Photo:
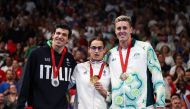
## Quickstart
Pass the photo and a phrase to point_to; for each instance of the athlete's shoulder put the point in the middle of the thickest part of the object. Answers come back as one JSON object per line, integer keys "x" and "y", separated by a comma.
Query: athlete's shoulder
{"x": 138, "y": 42}
{"x": 83, "y": 64}
{"x": 142, "y": 44}
{"x": 39, "y": 50}
{"x": 114, "y": 49}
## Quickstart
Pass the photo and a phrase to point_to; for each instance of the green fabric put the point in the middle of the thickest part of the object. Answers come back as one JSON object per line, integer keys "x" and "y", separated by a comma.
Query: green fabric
{"x": 28, "y": 51}
{"x": 49, "y": 43}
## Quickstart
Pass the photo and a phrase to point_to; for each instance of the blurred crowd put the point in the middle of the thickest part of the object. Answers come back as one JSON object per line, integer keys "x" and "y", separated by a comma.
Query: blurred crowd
{"x": 27, "y": 24}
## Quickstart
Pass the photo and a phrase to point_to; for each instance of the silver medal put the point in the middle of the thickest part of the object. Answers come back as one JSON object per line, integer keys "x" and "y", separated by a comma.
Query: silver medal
{"x": 55, "y": 82}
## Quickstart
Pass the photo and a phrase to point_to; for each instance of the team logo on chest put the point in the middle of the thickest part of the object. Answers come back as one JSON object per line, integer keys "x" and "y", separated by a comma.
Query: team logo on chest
{"x": 47, "y": 59}
{"x": 137, "y": 55}
{"x": 46, "y": 72}
{"x": 68, "y": 62}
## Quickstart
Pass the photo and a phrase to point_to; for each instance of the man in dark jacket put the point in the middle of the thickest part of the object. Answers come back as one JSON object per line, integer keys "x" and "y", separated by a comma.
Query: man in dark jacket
{"x": 47, "y": 74}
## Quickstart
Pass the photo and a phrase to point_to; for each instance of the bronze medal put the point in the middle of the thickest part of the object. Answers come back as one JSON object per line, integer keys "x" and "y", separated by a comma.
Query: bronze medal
{"x": 123, "y": 76}
{"x": 124, "y": 65}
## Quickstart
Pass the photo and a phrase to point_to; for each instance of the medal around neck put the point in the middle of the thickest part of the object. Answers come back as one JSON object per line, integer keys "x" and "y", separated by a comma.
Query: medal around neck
{"x": 55, "y": 82}
{"x": 124, "y": 76}
{"x": 94, "y": 79}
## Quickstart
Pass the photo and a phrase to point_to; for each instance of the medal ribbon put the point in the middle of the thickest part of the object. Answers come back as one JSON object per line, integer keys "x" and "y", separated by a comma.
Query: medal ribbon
{"x": 124, "y": 65}
{"x": 55, "y": 71}
{"x": 100, "y": 72}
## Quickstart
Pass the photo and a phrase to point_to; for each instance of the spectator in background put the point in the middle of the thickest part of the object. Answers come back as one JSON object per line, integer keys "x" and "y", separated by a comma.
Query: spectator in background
{"x": 111, "y": 42}
{"x": 183, "y": 48}
{"x": 19, "y": 54}
{"x": 11, "y": 46}
{"x": 187, "y": 78}
{"x": 178, "y": 62}
{"x": 8, "y": 64}
{"x": 176, "y": 102}
{"x": 12, "y": 96}
{"x": 179, "y": 74}
{"x": 30, "y": 6}
{"x": 3, "y": 53}
{"x": 17, "y": 69}
{"x": 10, "y": 76}
{"x": 165, "y": 50}
{"x": 170, "y": 88}
{"x": 2, "y": 102}
{"x": 2, "y": 76}
{"x": 162, "y": 40}
{"x": 80, "y": 55}
{"x": 31, "y": 45}
{"x": 183, "y": 92}
{"x": 165, "y": 68}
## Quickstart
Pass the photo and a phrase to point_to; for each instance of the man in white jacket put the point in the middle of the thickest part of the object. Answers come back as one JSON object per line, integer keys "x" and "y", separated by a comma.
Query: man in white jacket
{"x": 92, "y": 78}
{"x": 136, "y": 77}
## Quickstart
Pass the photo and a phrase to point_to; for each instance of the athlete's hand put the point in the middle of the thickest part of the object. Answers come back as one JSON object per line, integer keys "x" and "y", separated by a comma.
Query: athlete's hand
{"x": 98, "y": 86}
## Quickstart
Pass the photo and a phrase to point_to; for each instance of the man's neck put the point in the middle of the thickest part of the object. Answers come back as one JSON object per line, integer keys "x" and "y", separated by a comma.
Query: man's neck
{"x": 125, "y": 44}
{"x": 96, "y": 61}
{"x": 58, "y": 49}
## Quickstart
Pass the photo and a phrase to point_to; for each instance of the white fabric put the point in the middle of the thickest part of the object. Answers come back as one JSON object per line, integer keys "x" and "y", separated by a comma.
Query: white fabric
{"x": 169, "y": 61}
{"x": 132, "y": 93}
{"x": 88, "y": 96}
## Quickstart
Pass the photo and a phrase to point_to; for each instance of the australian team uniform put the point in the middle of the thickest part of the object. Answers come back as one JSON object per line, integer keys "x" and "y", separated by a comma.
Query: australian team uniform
{"x": 38, "y": 90}
{"x": 144, "y": 77}
{"x": 87, "y": 96}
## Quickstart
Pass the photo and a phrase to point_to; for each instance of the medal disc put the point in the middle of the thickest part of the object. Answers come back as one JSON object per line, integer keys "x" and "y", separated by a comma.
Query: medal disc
{"x": 123, "y": 76}
{"x": 55, "y": 82}
{"x": 94, "y": 79}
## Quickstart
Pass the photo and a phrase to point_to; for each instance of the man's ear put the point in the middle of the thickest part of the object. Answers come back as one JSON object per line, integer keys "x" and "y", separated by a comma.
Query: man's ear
{"x": 52, "y": 34}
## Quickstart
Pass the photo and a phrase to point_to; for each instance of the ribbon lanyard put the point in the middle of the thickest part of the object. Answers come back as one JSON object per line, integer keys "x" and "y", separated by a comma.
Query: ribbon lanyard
{"x": 100, "y": 72}
{"x": 56, "y": 70}
{"x": 124, "y": 65}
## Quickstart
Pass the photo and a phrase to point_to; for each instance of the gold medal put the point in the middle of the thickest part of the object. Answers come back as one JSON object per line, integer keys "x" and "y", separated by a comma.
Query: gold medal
{"x": 94, "y": 79}
{"x": 124, "y": 76}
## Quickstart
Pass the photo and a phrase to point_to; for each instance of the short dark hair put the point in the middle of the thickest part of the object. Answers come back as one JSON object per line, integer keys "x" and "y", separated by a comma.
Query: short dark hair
{"x": 175, "y": 94}
{"x": 64, "y": 26}
{"x": 98, "y": 39}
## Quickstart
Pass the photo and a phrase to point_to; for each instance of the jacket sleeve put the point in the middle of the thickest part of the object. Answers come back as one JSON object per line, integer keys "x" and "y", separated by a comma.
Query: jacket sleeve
{"x": 157, "y": 78}
{"x": 24, "y": 95}
{"x": 73, "y": 77}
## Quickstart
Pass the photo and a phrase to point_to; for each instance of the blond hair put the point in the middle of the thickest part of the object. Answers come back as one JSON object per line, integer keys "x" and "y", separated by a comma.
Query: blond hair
{"x": 124, "y": 18}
